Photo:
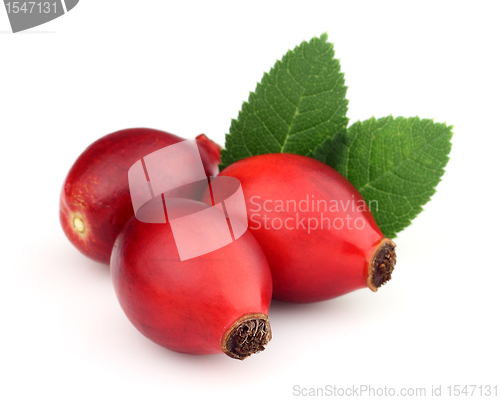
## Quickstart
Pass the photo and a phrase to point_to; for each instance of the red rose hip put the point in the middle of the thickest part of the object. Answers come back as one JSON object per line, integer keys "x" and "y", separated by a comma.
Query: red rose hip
{"x": 317, "y": 232}
{"x": 217, "y": 302}
{"x": 95, "y": 199}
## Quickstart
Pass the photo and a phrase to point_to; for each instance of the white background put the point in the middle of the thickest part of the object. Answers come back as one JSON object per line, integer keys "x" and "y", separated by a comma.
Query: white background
{"x": 186, "y": 67}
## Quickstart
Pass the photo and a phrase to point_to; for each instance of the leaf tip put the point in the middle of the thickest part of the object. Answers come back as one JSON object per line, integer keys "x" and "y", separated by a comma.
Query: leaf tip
{"x": 450, "y": 128}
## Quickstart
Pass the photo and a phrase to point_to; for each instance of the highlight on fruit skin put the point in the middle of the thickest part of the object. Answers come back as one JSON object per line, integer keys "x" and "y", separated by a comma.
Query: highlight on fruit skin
{"x": 317, "y": 232}
{"x": 95, "y": 199}
{"x": 214, "y": 303}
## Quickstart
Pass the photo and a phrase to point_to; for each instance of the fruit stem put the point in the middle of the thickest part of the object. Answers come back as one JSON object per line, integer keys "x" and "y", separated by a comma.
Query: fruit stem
{"x": 381, "y": 264}
{"x": 246, "y": 336}
{"x": 214, "y": 147}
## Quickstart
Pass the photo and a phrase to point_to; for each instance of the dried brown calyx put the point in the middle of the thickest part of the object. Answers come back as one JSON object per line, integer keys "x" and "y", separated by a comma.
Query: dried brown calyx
{"x": 247, "y": 336}
{"x": 381, "y": 264}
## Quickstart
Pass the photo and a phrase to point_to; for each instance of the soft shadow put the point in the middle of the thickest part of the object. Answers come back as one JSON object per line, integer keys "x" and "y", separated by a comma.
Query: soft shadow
{"x": 282, "y": 307}
{"x": 25, "y": 32}
{"x": 65, "y": 264}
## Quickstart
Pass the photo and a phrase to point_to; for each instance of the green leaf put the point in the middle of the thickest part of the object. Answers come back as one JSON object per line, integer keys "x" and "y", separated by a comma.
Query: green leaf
{"x": 395, "y": 162}
{"x": 298, "y": 105}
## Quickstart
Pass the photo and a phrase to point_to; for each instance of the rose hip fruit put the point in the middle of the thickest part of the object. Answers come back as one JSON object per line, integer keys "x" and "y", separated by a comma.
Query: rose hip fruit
{"x": 317, "y": 232}
{"x": 95, "y": 199}
{"x": 217, "y": 302}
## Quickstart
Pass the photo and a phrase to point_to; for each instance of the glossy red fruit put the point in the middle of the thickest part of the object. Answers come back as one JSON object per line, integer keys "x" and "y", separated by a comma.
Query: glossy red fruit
{"x": 317, "y": 232}
{"x": 217, "y": 302}
{"x": 95, "y": 199}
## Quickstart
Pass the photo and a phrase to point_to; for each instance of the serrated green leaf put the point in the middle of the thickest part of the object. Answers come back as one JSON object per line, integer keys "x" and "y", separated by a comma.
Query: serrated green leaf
{"x": 395, "y": 162}
{"x": 298, "y": 105}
